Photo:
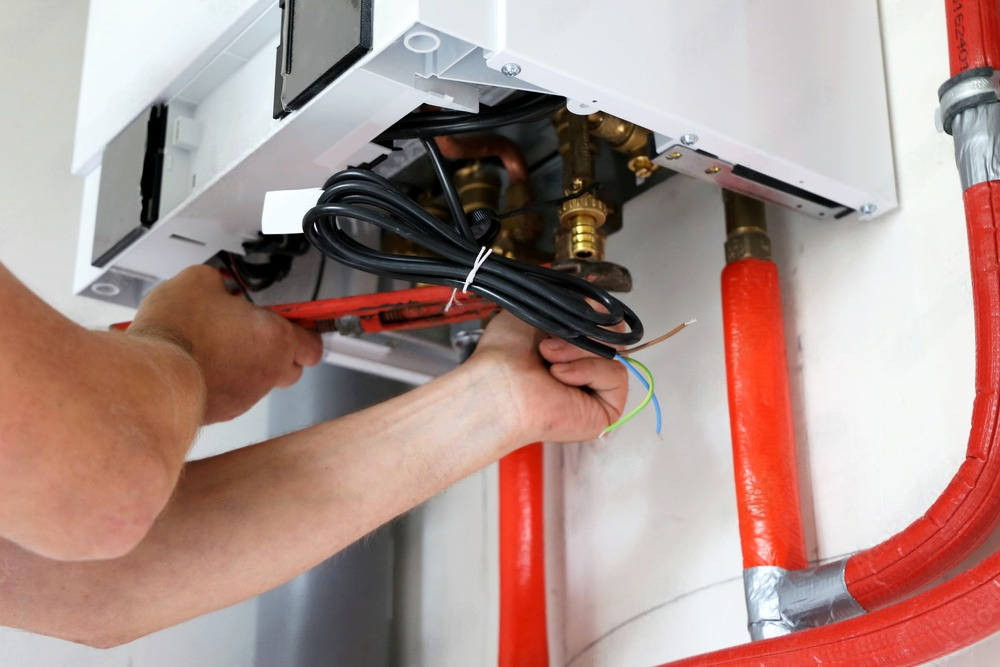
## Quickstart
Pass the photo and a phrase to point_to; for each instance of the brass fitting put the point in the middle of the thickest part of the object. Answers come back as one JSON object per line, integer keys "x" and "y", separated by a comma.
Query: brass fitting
{"x": 624, "y": 137}
{"x": 642, "y": 166}
{"x": 576, "y": 149}
{"x": 746, "y": 228}
{"x": 477, "y": 187}
{"x": 582, "y": 218}
{"x": 519, "y": 233}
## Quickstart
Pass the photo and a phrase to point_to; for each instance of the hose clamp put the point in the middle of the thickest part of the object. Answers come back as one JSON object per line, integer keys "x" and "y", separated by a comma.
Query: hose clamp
{"x": 969, "y": 89}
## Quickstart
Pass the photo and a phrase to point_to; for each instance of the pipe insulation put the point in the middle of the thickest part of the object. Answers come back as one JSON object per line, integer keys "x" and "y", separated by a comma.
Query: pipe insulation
{"x": 760, "y": 416}
{"x": 523, "y": 624}
{"x": 968, "y": 510}
{"x": 973, "y": 34}
{"x": 965, "y": 609}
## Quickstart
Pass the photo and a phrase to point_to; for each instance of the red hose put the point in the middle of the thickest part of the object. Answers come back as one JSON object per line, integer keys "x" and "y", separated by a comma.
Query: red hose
{"x": 523, "y": 627}
{"x": 760, "y": 414}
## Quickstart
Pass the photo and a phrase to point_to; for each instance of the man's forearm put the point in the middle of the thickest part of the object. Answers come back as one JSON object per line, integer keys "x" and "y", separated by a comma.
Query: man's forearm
{"x": 93, "y": 432}
{"x": 246, "y": 521}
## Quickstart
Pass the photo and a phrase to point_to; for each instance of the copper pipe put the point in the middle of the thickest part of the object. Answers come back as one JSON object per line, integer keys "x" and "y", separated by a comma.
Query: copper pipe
{"x": 492, "y": 145}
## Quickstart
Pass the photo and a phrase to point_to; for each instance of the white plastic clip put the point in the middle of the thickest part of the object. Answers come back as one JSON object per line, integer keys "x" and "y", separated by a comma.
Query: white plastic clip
{"x": 484, "y": 252}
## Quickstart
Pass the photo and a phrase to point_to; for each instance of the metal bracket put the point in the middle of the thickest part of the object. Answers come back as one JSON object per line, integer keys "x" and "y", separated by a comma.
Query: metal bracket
{"x": 707, "y": 167}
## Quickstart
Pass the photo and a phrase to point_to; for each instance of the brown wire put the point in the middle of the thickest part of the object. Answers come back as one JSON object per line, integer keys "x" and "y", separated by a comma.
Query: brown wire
{"x": 662, "y": 338}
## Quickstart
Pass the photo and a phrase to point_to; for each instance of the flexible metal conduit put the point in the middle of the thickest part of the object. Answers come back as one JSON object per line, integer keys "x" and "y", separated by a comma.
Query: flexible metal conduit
{"x": 967, "y": 608}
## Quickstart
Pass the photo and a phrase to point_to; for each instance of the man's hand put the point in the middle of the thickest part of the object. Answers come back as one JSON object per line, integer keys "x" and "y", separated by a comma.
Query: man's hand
{"x": 556, "y": 391}
{"x": 243, "y": 351}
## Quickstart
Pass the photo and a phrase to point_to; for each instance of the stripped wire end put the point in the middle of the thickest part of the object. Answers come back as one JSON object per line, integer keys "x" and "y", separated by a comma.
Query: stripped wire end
{"x": 646, "y": 378}
{"x": 672, "y": 332}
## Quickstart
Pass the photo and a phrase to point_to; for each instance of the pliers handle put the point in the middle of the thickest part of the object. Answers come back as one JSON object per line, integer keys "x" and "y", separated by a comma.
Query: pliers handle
{"x": 416, "y": 308}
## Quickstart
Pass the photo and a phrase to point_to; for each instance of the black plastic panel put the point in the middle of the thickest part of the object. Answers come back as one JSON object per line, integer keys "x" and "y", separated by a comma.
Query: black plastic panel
{"x": 320, "y": 40}
{"x": 128, "y": 201}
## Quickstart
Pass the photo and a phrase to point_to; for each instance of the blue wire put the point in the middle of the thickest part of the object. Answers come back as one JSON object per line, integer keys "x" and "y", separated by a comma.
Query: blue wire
{"x": 656, "y": 402}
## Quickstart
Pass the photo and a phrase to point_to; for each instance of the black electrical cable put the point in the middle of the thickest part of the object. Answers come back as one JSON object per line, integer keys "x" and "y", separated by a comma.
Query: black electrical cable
{"x": 533, "y": 106}
{"x": 556, "y": 302}
{"x": 319, "y": 278}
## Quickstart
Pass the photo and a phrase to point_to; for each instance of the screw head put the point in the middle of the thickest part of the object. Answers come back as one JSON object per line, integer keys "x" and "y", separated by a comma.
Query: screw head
{"x": 868, "y": 208}
{"x": 689, "y": 139}
{"x": 510, "y": 69}
{"x": 674, "y": 155}
{"x": 711, "y": 171}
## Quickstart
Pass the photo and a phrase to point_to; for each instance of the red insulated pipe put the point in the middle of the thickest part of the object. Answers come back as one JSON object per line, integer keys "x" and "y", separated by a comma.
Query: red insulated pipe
{"x": 973, "y": 34}
{"x": 940, "y": 621}
{"x": 523, "y": 627}
{"x": 760, "y": 415}
{"x": 967, "y": 608}
{"x": 969, "y": 509}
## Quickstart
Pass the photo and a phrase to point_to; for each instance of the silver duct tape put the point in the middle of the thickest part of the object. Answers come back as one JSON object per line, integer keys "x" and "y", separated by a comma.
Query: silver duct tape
{"x": 817, "y": 596}
{"x": 760, "y": 587}
{"x": 977, "y": 144}
{"x": 780, "y": 602}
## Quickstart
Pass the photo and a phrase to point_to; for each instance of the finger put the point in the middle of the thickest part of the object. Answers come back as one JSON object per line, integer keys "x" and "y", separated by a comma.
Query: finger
{"x": 511, "y": 333}
{"x": 594, "y": 372}
{"x": 557, "y": 350}
{"x": 205, "y": 275}
{"x": 607, "y": 380}
{"x": 309, "y": 347}
{"x": 290, "y": 376}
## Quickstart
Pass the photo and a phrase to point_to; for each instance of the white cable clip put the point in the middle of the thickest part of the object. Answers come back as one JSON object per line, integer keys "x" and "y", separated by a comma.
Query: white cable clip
{"x": 484, "y": 252}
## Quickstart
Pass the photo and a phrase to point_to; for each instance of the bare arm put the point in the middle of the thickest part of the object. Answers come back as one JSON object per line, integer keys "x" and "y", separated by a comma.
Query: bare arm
{"x": 246, "y": 521}
{"x": 95, "y": 425}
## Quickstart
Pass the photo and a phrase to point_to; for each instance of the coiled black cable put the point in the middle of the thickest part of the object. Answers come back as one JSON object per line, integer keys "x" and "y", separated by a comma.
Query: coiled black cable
{"x": 533, "y": 106}
{"x": 552, "y": 301}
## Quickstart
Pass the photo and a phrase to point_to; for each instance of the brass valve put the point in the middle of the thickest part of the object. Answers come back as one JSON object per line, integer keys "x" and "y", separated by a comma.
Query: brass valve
{"x": 581, "y": 218}
{"x": 624, "y": 137}
{"x": 519, "y": 233}
{"x": 477, "y": 187}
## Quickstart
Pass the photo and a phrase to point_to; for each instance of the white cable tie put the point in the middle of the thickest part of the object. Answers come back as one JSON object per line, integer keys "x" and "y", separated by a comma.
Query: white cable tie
{"x": 484, "y": 252}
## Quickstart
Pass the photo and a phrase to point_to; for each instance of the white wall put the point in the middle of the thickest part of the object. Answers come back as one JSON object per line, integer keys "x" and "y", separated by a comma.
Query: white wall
{"x": 39, "y": 217}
